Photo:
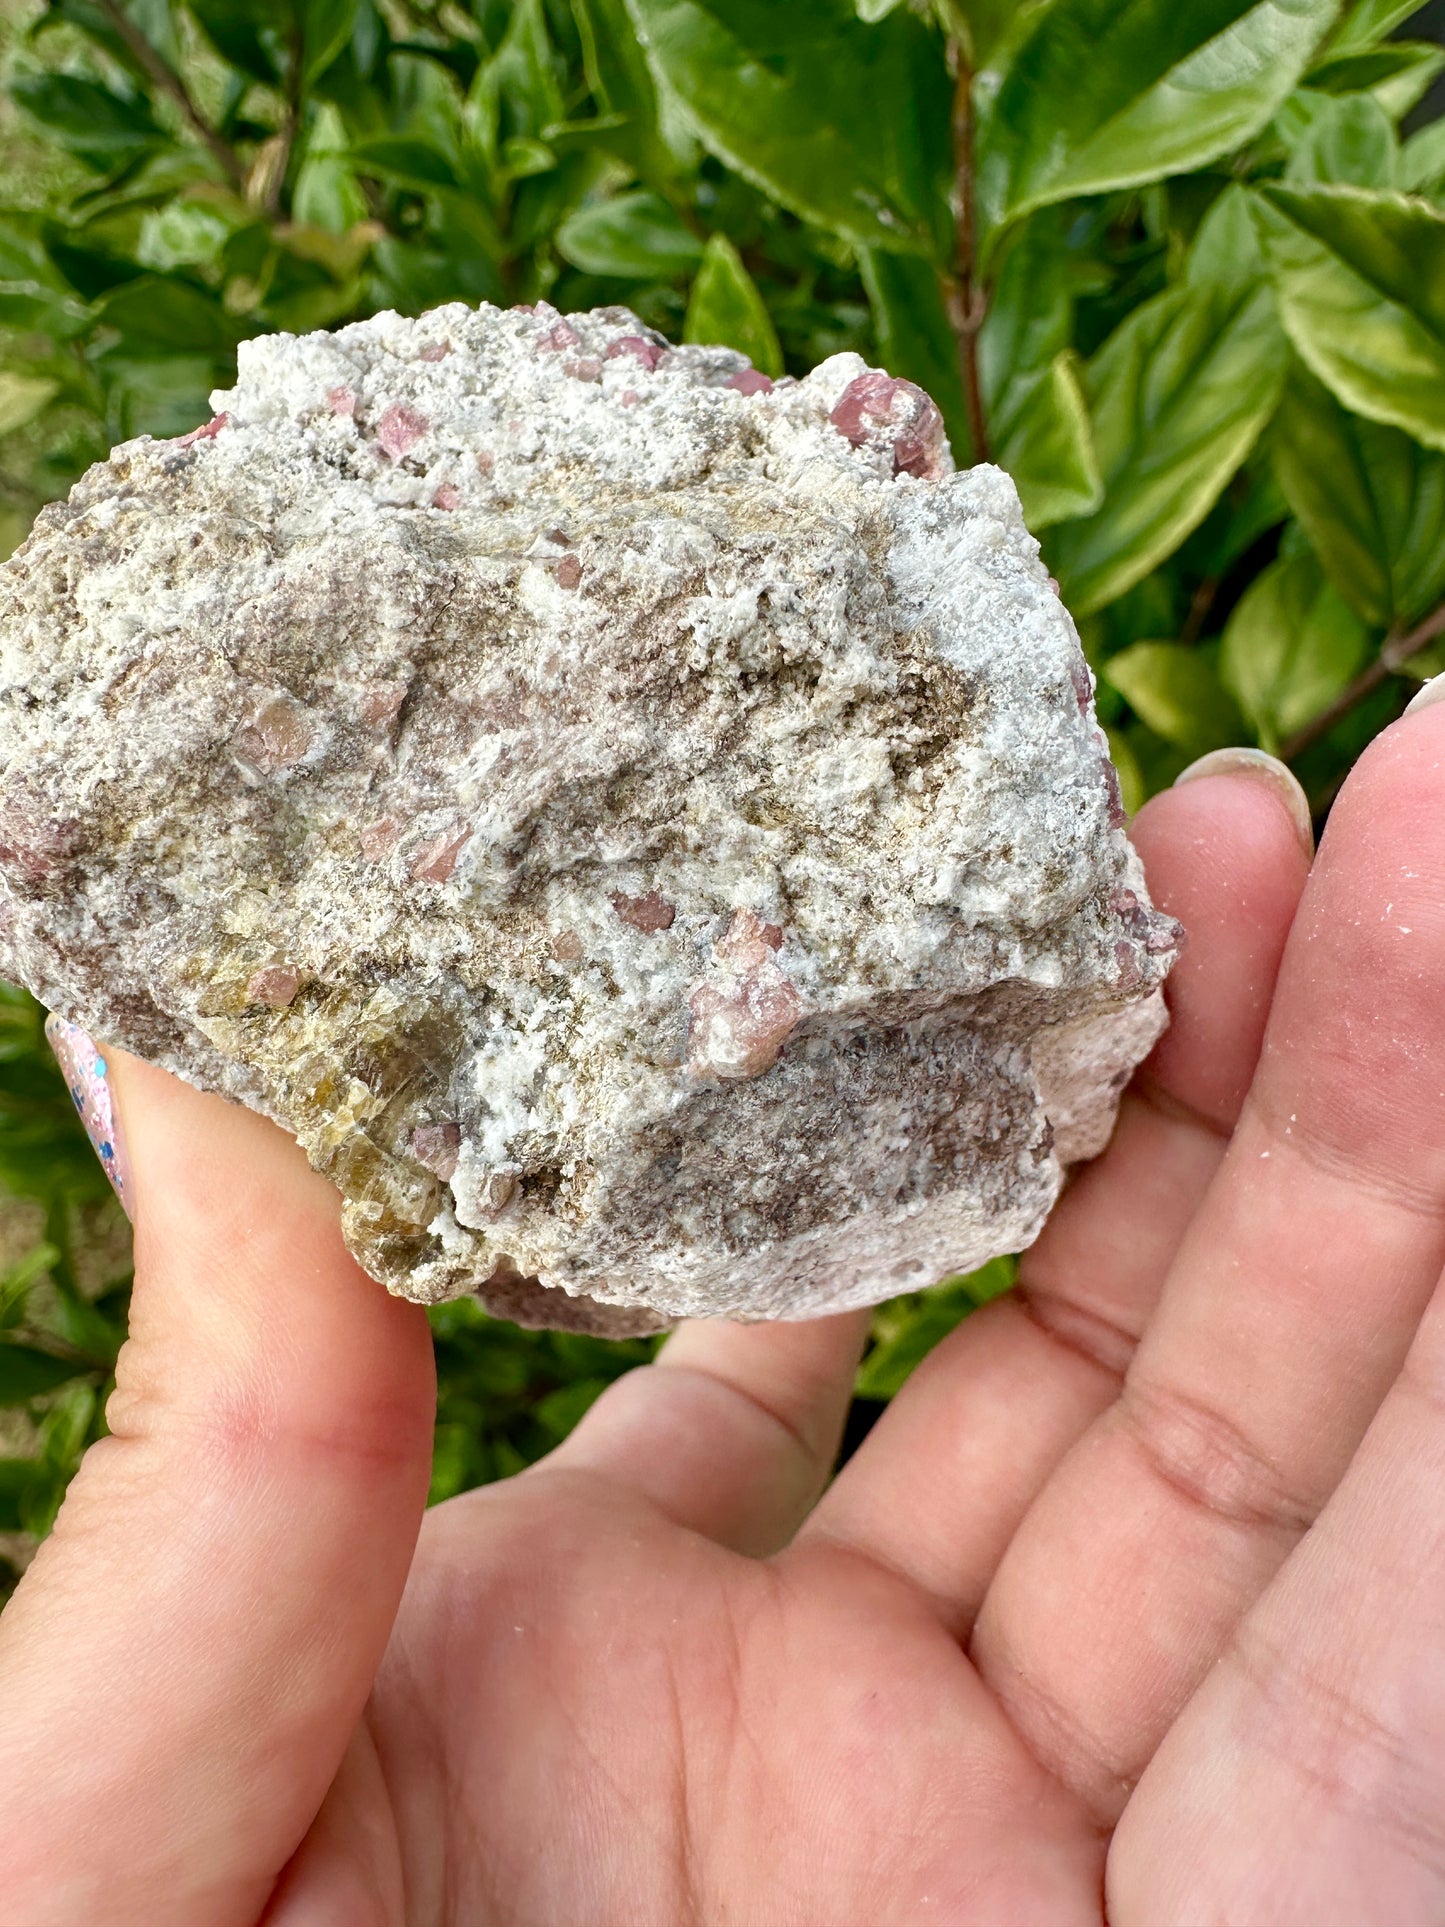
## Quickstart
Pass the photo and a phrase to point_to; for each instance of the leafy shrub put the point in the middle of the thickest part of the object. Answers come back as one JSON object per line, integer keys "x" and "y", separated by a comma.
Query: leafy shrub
{"x": 1174, "y": 265}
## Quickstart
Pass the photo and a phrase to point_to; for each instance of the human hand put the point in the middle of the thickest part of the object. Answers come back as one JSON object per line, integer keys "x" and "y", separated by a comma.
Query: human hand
{"x": 1132, "y": 1599}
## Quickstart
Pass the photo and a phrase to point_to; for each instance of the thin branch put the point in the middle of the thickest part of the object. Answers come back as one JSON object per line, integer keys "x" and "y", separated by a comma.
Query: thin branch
{"x": 1395, "y": 652}
{"x": 1199, "y": 608}
{"x": 1398, "y": 654}
{"x": 1365, "y": 684}
{"x": 170, "y": 82}
{"x": 295, "y": 88}
{"x": 967, "y": 301}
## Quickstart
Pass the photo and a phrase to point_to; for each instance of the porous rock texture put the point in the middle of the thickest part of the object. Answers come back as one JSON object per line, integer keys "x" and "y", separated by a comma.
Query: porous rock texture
{"x": 642, "y": 828}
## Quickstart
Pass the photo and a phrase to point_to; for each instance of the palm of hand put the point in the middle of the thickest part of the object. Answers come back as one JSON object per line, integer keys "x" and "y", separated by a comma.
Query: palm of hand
{"x": 624, "y": 1722}
{"x": 1127, "y": 1609}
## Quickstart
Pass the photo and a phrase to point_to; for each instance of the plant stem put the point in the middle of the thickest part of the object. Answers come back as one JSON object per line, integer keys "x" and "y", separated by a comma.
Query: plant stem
{"x": 967, "y": 301}
{"x": 1395, "y": 651}
{"x": 294, "y": 90}
{"x": 1199, "y": 608}
{"x": 170, "y": 82}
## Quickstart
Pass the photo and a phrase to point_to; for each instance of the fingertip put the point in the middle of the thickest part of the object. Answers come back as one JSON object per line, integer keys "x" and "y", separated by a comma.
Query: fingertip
{"x": 1225, "y": 854}
{"x": 1260, "y": 767}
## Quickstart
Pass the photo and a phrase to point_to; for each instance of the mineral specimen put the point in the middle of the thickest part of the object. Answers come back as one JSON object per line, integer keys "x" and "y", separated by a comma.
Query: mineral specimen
{"x": 642, "y": 827}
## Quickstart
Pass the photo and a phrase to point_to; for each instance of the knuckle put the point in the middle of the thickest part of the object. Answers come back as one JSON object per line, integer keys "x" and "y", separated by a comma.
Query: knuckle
{"x": 1206, "y": 1460}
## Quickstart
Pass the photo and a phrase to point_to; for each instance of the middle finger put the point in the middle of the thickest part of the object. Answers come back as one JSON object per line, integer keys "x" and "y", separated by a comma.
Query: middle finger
{"x": 1284, "y": 1320}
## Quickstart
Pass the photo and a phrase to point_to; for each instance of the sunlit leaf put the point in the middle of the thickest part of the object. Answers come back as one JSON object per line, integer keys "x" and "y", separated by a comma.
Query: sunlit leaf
{"x": 725, "y": 308}
{"x": 1360, "y": 279}
{"x": 617, "y": 72}
{"x": 327, "y": 192}
{"x": 1364, "y": 22}
{"x": 1422, "y": 159}
{"x": 22, "y": 397}
{"x": 1106, "y": 95}
{"x": 1396, "y": 76}
{"x": 1348, "y": 138}
{"x": 1045, "y": 440}
{"x": 844, "y": 122}
{"x": 1178, "y": 396}
{"x": 1178, "y": 693}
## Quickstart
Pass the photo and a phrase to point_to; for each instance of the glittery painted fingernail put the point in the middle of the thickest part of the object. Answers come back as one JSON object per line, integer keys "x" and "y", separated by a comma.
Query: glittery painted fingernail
{"x": 83, "y": 1066}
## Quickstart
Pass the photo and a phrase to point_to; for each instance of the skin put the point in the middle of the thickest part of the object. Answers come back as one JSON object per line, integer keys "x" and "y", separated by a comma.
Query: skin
{"x": 1131, "y": 1606}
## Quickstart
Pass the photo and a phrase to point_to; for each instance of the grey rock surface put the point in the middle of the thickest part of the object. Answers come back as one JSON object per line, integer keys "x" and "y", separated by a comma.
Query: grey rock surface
{"x": 643, "y": 829}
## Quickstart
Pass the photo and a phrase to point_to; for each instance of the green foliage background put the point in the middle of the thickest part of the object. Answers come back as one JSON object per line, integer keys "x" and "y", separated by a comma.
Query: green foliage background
{"x": 1174, "y": 265}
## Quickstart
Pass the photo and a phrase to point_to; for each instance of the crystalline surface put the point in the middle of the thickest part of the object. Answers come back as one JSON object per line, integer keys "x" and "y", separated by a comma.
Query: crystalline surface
{"x": 643, "y": 829}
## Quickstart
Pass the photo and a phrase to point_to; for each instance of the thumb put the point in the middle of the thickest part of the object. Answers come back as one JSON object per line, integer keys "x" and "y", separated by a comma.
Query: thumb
{"x": 185, "y": 1662}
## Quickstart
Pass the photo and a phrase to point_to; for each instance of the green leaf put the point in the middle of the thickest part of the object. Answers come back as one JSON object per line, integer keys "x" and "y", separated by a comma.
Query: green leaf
{"x": 1397, "y": 76}
{"x": 18, "y": 1477}
{"x": 183, "y": 234}
{"x": 618, "y": 76}
{"x": 27, "y": 1373}
{"x": 15, "y": 1283}
{"x": 1348, "y": 139}
{"x": 726, "y": 310}
{"x": 846, "y": 124}
{"x": 634, "y": 234}
{"x": 91, "y": 120}
{"x": 412, "y": 163}
{"x": 326, "y": 25}
{"x": 981, "y": 27}
{"x": 1037, "y": 417}
{"x": 524, "y": 72}
{"x": 1360, "y": 280}
{"x": 915, "y": 339}
{"x": 1105, "y": 94}
{"x": 253, "y": 35}
{"x": 1422, "y": 160}
{"x": 1371, "y": 501}
{"x": 158, "y": 315}
{"x": 327, "y": 192}
{"x": 1030, "y": 319}
{"x": 907, "y": 1329}
{"x": 1178, "y": 395}
{"x": 1040, "y": 432}
{"x": 1045, "y": 441}
{"x": 160, "y": 395}
{"x": 1177, "y": 692}
{"x": 1291, "y": 646}
{"x": 22, "y": 397}
{"x": 93, "y": 21}
{"x": 1366, "y": 22}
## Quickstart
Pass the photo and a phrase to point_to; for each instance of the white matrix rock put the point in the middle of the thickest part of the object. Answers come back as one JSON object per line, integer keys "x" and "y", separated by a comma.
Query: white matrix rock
{"x": 643, "y": 829}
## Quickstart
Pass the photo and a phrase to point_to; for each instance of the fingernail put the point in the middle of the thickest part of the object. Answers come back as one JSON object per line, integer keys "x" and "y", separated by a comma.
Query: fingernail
{"x": 83, "y": 1066}
{"x": 1269, "y": 769}
{"x": 1433, "y": 692}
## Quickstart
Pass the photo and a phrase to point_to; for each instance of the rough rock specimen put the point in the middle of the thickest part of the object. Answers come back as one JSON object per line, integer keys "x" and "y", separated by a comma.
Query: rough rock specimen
{"x": 643, "y": 828}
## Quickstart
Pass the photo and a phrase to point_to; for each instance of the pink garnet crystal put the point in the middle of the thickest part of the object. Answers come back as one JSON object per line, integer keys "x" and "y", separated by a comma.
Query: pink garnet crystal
{"x": 744, "y": 1013}
{"x": 879, "y": 410}
{"x": 400, "y": 429}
